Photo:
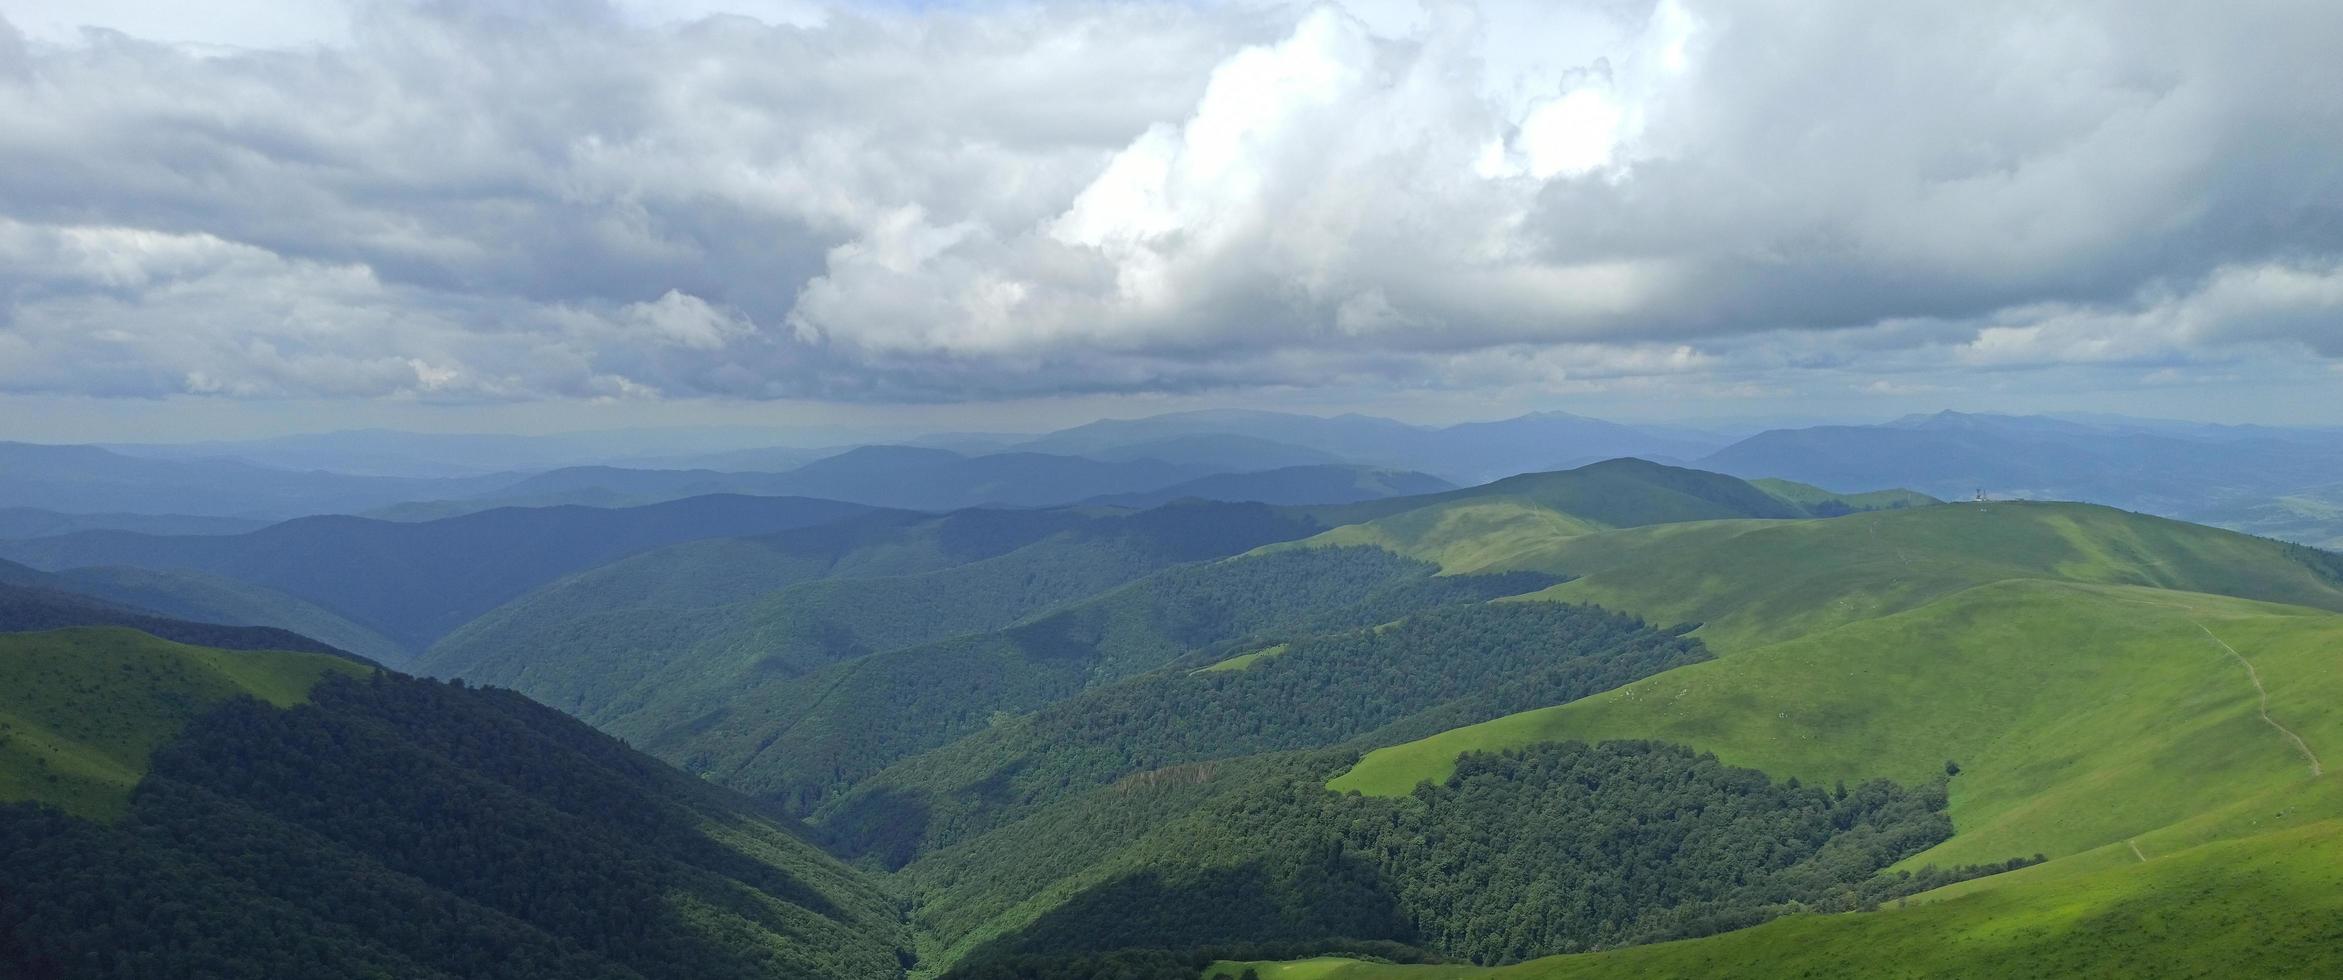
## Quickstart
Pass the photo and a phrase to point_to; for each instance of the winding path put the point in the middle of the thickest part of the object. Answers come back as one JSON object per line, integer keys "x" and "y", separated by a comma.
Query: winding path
{"x": 2256, "y": 676}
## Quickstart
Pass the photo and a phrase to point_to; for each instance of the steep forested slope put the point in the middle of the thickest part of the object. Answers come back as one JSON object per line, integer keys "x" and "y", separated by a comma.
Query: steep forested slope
{"x": 390, "y": 827}
{"x": 1562, "y": 847}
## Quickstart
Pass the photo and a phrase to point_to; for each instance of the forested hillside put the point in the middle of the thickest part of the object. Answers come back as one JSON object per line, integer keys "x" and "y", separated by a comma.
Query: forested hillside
{"x": 647, "y": 645}
{"x": 802, "y": 737}
{"x": 384, "y": 826}
{"x": 1433, "y": 670}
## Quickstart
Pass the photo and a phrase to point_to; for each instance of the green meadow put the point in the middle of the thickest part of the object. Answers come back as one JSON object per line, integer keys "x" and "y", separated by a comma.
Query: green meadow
{"x": 81, "y": 709}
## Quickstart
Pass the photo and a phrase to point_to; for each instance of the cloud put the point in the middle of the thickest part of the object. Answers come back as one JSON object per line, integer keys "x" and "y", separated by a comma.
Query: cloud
{"x": 581, "y": 200}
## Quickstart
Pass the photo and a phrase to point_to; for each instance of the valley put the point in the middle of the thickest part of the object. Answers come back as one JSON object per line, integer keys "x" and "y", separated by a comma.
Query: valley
{"x": 1398, "y": 736}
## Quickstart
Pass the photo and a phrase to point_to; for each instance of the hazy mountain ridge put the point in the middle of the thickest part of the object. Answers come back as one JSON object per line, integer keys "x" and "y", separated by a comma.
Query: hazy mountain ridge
{"x": 414, "y": 582}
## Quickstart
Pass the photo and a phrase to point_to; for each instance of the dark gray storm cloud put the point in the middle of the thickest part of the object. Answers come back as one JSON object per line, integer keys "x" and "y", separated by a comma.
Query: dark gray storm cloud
{"x": 561, "y": 199}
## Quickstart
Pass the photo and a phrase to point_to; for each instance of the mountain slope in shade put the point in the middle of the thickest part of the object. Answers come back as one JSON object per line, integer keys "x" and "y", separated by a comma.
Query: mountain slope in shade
{"x": 413, "y": 582}
{"x": 383, "y": 826}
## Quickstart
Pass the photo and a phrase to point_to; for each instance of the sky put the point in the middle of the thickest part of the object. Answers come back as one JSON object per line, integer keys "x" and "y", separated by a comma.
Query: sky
{"x": 243, "y": 217}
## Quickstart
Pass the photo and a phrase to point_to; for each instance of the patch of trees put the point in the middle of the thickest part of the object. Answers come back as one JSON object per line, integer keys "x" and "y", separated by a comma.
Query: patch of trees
{"x": 1440, "y": 669}
{"x": 1556, "y": 848}
{"x": 2327, "y": 564}
{"x": 396, "y": 827}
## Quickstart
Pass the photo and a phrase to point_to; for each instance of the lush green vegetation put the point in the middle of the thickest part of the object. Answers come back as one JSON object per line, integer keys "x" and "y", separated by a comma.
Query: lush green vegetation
{"x": 1755, "y": 582}
{"x": 82, "y": 709}
{"x": 1559, "y": 847}
{"x": 2263, "y": 906}
{"x": 641, "y": 647}
{"x": 1091, "y": 743}
{"x": 394, "y": 827}
{"x": 1431, "y": 671}
{"x": 2079, "y": 715}
{"x": 801, "y": 739}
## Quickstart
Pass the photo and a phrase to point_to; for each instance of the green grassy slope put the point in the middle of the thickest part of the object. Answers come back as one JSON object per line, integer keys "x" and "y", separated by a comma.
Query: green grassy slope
{"x": 2265, "y": 906}
{"x": 2079, "y": 715}
{"x": 1466, "y": 535}
{"x": 81, "y": 709}
{"x": 1756, "y": 582}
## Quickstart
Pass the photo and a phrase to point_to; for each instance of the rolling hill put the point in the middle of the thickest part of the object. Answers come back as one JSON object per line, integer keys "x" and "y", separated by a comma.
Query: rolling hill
{"x": 2104, "y": 688}
{"x": 413, "y": 582}
{"x": 652, "y": 642}
{"x": 2087, "y": 685}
